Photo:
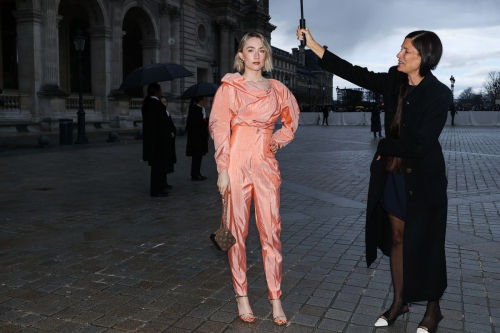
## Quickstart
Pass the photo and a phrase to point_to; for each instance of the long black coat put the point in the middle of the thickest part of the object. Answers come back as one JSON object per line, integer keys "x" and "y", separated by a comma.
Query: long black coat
{"x": 172, "y": 129}
{"x": 423, "y": 118}
{"x": 156, "y": 144}
{"x": 197, "y": 130}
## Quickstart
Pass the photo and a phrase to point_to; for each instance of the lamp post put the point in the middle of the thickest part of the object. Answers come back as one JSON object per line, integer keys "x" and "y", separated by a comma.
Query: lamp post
{"x": 309, "y": 84}
{"x": 79, "y": 47}
{"x": 323, "y": 88}
{"x": 452, "y": 80}
{"x": 215, "y": 70}
{"x": 338, "y": 93}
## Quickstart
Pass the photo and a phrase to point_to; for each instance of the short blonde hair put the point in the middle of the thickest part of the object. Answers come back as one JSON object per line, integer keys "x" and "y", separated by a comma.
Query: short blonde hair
{"x": 268, "y": 63}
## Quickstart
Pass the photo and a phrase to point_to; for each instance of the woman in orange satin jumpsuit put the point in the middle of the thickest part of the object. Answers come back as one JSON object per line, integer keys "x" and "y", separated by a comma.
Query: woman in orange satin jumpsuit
{"x": 244, "y": 112}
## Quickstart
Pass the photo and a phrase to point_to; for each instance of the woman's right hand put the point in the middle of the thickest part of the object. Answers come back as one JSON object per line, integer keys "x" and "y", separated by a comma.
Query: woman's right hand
{"x": 307, "y": 33}
{"x": 310, "y": 42}
{"x": 223, "y": 183}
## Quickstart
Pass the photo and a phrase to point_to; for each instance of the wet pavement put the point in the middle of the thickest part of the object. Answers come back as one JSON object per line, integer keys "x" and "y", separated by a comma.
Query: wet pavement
{"x": 84, "y": 248}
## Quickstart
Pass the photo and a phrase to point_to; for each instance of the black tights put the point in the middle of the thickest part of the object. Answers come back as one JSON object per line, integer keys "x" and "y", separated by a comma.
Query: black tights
{"x": 433, "y": 311}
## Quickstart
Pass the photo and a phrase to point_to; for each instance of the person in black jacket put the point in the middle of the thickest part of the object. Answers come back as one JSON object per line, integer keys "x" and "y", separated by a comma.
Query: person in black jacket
{"x": 407, "y": 201}
{"x": 325, "y": 115}
{"x": 156, "y": 140}
{"x": 197, "y": 141}
{"x": 173, "y": 131}
{"x": 376, "y": 125}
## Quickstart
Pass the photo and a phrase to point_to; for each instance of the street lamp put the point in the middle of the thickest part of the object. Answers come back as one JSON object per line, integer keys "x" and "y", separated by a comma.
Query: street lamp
{"x": 452, "y": 80}
{"x": 287, "y": 81}
{"x": 309, "y": 84}
{"x": 215, "y": 70}
{"x": 338, "y": 93}
{"x": 323, "y": 87}
{"x": 79, "y": 47}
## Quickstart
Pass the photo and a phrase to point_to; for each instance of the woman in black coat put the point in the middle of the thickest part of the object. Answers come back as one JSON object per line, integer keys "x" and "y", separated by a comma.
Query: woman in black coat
{"x": 376, "y": 125}
{"x": 197, "y": 141}
{"x": 407, "y": 202}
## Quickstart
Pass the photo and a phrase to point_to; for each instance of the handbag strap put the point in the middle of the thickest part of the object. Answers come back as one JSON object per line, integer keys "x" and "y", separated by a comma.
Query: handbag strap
{"x": 224, "y": 212}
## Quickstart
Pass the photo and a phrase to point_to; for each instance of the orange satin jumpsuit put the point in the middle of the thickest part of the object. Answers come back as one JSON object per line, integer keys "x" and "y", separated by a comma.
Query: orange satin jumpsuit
{"x": 241, "y": 125}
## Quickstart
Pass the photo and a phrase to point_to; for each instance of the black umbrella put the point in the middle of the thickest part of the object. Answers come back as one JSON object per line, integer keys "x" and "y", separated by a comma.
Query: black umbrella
{"x": 200, "y": 89}
{"x": 164, "y": 71}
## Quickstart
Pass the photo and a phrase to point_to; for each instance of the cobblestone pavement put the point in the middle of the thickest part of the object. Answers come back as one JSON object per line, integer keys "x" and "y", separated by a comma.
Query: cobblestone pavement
{"x": 83, "y": 248}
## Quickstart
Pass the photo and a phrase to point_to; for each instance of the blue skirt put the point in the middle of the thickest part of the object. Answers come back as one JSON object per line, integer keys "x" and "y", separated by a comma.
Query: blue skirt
{"x": 394, "y": 198}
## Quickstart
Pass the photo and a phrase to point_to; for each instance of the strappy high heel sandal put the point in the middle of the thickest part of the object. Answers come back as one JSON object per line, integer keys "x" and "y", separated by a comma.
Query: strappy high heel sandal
{"x": 278, "y": 320}
{"x": 383, "y": 321}
{"x": 423, "y": 329}
{"x": 243, "y": 317}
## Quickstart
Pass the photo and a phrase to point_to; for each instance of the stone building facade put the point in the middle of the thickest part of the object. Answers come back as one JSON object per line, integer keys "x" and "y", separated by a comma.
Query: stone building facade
{"x": 313, "y": 85}
{"x": 39, "y": 64}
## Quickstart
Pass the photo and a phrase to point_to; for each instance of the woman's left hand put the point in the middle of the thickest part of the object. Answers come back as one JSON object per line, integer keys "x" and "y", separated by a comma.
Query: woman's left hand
{"x": 274, "y": 148}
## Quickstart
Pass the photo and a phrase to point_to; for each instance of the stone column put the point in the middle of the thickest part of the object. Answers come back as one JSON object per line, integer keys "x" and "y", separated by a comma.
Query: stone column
{"x": 116, "y": 48}
{"x": 100, "y": 68}
{"x": 224, "y": 47}
{"x": 50, "y": 77}
{"x": 175, "y": 15}
{"x": 231, "y": 48}
{"x": 150, "y": 51}
{"x": 165, "y": 32}
{"x": 28, "y": 25}
{"x": 1, "y": 51}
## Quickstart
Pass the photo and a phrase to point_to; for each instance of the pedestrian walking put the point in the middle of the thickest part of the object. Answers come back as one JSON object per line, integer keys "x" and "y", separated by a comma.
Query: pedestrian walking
{"x": 156, "y": 140}
{"x": 407, "y": 201}
{"x": 173, "y": 133}
{"x": 376, "y": 125}
{"x": 197, "y": 140}
{"x": 325, "y": 116}
{"x": 453, "y": 112}
{"x": 245, "y": 110}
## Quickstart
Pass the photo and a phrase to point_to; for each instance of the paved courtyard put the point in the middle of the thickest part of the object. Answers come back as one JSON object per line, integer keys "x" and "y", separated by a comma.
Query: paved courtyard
{"x": 84, "y": 248}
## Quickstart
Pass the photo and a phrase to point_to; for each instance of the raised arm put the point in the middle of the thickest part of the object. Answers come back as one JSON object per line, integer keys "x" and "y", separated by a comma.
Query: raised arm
{"x": 289, "y": 118}
{"x": 220, "y": 125}
{"x": 360, "y": 76}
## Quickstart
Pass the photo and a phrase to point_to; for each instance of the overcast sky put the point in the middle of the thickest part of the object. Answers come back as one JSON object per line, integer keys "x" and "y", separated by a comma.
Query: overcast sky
{"x": 369, "y": 33}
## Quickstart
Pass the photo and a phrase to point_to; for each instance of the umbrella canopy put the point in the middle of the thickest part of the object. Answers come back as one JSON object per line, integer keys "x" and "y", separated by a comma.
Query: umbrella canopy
{"x": 164, "y": 71}
{"x": 200, "y": 89}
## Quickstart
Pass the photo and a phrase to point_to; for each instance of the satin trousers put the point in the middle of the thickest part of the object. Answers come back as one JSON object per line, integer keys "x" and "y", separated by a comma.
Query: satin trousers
{"x": 253, "y": 173}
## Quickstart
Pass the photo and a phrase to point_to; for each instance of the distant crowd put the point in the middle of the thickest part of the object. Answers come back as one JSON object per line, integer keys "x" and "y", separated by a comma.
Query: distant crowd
{"x": 335, "y": 108}
{"x": 460, "y": 107}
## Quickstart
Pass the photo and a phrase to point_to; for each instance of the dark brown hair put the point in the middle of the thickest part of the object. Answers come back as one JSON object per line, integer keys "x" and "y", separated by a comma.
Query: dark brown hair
{"x": 429, "y": 49}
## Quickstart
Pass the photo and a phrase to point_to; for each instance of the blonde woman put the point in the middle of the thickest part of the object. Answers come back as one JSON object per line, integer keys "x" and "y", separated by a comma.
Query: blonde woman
{"x": 245, "y": 110}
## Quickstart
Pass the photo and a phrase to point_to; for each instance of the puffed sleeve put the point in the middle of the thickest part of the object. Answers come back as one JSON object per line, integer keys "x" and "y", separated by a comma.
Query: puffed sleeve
{"x": 220, "y": 125}
{"x": 289, "y": 118}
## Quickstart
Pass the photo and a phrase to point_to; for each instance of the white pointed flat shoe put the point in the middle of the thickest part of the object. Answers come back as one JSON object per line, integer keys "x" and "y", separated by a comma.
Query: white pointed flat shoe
{"x": 421, "y": 330}
{"x": 382, "y": 322}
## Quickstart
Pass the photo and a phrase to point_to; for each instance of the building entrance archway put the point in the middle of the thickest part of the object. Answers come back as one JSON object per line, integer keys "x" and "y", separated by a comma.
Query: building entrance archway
{"x": 140, "y": 46}
{"x": 9, "y": 73}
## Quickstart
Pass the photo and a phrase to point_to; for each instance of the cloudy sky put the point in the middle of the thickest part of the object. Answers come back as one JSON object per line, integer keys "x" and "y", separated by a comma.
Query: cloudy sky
{"x": 369, "y": 33}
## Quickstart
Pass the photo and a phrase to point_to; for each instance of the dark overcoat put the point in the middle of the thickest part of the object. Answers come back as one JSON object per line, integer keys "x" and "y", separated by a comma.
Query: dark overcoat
{"x": 172, "y": 129}
{"x": 197, "y": 130}
{"x": 376, "y": 124}
{"x": 423, "y": 118}
{"x": 156, "y": 144}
